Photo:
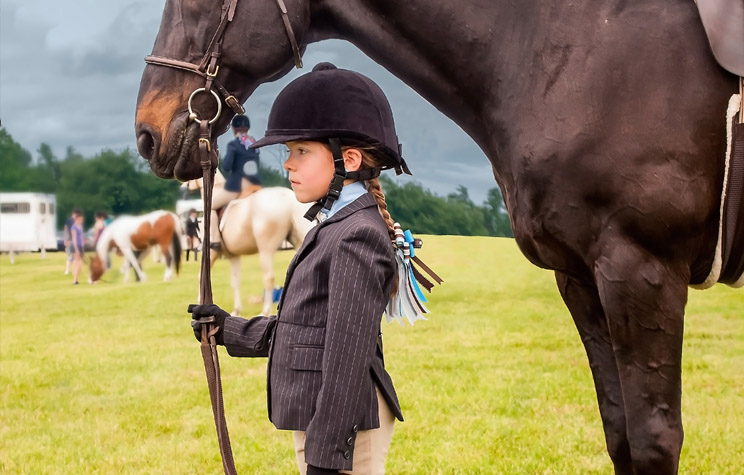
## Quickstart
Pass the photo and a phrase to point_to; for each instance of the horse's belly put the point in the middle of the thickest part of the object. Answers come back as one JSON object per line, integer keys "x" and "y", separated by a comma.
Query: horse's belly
{"x": 237, "y": 246}
{"x": 565, "y": 209}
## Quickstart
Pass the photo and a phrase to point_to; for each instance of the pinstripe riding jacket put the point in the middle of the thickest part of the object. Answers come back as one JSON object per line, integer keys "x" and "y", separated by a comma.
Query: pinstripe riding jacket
{"x": 324, "y": 358}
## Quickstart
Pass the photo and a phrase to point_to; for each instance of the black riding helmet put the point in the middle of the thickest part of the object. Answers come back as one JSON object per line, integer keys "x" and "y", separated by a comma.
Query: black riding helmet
{"x": 241, "y": 122}
{"x": 340, "y": 107}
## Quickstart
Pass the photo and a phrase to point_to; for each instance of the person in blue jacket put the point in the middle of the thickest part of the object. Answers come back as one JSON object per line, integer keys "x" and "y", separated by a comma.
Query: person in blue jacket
{"x": 240, "y": 167}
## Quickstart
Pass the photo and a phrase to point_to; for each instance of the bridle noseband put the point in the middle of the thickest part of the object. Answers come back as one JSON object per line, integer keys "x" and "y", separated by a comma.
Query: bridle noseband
{"x": 208, "y": 68}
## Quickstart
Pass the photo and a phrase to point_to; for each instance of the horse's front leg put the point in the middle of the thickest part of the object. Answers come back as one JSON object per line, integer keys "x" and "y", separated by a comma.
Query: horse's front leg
{"x": 124, "y": 269}
{"x": 644, "y": 298}
{"x": 137, "y": 264}
{"x": 266, "y": 260}
{"x": 583, "y": 302}
{"x": 235, "y": 284}
{"x": 133, "y": 261}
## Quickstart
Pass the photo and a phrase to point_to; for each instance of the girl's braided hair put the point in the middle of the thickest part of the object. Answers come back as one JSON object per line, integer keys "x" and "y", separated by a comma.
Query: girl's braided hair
{"x": 371, "y": 158}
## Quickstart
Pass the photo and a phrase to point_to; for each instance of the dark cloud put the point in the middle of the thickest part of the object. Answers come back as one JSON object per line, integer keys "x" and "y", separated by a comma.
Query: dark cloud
{"x": 70, "y": 73}
{"x": 120, "y": 49}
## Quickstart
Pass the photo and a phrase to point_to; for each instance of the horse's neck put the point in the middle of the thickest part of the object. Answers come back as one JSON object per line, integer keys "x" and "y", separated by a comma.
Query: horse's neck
{"x": 104, "y": 242}
{"x": 444, "y": 50}
{"x": 483, "y": 63}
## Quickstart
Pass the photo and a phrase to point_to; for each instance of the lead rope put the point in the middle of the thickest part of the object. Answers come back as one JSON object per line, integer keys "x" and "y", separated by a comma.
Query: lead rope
{"x": 208, "y": 343}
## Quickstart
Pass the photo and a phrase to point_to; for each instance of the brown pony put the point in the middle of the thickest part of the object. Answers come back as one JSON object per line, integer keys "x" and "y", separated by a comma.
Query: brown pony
{"x": 604, "y": 122}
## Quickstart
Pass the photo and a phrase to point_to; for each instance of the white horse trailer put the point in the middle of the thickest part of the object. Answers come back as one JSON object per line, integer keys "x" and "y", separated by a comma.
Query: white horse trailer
{"x": 28, "y": 222}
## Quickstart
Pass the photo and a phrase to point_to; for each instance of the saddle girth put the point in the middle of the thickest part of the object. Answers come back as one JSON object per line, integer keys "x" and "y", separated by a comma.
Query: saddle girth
{"x": 732, "y": 216}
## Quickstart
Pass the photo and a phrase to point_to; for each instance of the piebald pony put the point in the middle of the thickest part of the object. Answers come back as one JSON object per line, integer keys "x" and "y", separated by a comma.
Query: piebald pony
{"x": 135, "y": 236}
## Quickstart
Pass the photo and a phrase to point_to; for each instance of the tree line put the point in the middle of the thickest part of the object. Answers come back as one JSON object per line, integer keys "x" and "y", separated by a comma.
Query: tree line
{"x": 120, "y": 182}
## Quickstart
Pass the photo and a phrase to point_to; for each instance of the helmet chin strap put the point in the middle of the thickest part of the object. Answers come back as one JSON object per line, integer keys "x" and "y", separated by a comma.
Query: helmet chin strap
{"x": 337, "y": 183}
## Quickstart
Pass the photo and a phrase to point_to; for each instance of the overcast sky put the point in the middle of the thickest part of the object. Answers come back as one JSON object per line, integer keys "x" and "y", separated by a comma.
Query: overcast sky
{"x": 70, "y": 72}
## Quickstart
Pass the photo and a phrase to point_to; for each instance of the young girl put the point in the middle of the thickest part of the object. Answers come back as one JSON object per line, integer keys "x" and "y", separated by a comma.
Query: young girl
{"x": 326, "y": 375}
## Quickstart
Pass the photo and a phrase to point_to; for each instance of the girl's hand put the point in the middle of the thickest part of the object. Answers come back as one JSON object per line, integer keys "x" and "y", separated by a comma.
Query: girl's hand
{"x": 200, "y": 312}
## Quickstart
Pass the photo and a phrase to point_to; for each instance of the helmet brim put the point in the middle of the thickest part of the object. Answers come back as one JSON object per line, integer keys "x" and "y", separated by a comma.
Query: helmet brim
{"x": 282, "y": 138}
{"x": 273, "y": 137}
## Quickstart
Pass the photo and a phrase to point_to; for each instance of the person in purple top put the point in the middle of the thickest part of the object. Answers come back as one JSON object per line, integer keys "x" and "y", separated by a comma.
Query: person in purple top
{"x": 76, "y": 239}
{"x": 68, "y": 242}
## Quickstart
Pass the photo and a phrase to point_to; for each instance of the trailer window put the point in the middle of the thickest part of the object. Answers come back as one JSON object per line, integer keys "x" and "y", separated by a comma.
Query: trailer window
{"x": 15, "y": 207}
{"x": 51, "y": 208}
{"x": 42, "y": 208}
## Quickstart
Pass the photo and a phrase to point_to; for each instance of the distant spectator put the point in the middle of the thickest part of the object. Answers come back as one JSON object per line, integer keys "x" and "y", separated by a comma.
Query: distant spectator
{"x": 66, "y": 236}
{"x": 76, "y": 236}
{"x": 192, "y": 234}
{"x": 99, "y": 225}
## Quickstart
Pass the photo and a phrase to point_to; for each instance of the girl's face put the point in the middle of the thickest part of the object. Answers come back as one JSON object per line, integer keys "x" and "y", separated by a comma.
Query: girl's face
{"x": 310, "y": 167}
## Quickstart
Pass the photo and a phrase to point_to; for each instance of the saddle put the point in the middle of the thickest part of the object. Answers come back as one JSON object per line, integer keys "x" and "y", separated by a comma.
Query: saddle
{"x": 244, "y": 193}
{"x": 248, "y": 191}
{"x": 723, "y": 21}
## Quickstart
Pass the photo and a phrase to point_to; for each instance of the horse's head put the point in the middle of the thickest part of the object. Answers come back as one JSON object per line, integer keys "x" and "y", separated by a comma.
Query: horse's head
{"x": 96, "y": 268}
{"x": 230, "y": 50}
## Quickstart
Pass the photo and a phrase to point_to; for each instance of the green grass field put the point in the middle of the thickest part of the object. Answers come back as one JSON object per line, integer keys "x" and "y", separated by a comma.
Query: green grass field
{"x": 109, "y": 379}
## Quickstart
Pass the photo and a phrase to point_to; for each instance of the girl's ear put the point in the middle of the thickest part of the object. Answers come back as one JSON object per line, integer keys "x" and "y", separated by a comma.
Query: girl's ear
{"x": 352, "y": 159}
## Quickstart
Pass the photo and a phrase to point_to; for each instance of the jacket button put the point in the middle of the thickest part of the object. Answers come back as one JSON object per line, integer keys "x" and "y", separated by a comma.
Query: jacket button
{"x": 355, "y": 428}
{"x": 349, "y": 441}
{"x": 347, "y": 455}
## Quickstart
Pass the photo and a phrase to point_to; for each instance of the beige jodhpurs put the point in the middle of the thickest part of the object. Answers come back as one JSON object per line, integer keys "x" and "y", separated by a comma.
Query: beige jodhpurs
{"x": 370, "y": 449}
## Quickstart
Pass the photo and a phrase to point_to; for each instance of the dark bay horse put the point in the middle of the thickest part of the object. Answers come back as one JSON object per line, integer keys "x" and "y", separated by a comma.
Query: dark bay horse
{"x": 604, "y": 122}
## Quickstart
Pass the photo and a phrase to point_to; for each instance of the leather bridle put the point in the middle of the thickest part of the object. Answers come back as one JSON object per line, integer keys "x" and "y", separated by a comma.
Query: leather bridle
{"x": 209, "y": 65}
{"x": 208, "y": 68}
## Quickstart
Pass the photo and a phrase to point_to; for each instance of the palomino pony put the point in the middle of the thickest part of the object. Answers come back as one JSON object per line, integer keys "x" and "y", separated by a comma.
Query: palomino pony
{"x": 135, "y": 236}
{"x": 258, "y": 223}
{"x": 604, "y": 123}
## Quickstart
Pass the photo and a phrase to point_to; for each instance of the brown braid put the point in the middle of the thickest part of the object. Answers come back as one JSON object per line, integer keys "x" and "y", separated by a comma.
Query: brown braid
{"x": 373, "y": 186}
{"x": 369, "y": 160}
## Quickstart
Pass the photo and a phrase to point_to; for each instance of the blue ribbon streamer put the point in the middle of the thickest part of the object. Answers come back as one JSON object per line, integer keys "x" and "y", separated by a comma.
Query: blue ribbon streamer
{"x": 415, "y": 285}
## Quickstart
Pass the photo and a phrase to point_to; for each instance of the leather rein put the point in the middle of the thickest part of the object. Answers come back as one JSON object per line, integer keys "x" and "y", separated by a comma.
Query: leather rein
{"x": 208, "y": 68}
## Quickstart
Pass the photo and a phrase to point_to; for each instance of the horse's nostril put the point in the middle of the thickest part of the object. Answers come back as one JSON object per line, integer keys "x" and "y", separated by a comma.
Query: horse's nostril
{"x": 146, "y": 144}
